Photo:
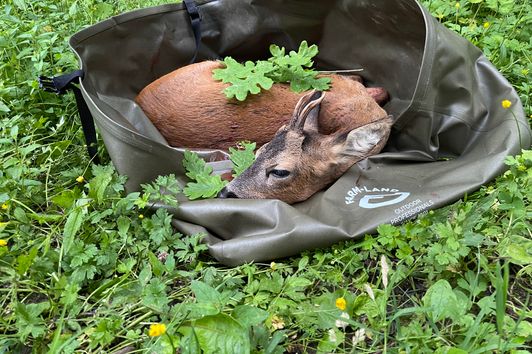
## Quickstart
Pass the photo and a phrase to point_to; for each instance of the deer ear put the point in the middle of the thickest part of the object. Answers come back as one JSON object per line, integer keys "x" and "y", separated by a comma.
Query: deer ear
{"x": 368, "y": 139}
{"x": 261, "y": 149}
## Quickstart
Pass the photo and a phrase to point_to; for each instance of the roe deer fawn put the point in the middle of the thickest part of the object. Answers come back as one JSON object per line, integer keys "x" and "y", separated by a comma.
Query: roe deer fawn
{"x": 300, "y": 153}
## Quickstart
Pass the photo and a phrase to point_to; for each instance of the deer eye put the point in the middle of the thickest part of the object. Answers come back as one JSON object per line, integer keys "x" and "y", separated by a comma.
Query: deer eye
{"x": 278, "y": 173}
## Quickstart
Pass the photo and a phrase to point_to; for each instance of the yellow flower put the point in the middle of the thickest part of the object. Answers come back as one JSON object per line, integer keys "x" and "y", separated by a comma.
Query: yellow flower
{"x": 5, "y": 206}
{"x": 486, "y": 25}
{"x": 141, "y": 216}
{"x": 80, "y": 179}
{"x": 506, "y": 104}
{"x": 341, "y": 303}
{"x": 157, "y": 329}
{"x": 273, "y": 266}
{"x": 3, "y": 243}
{"x": 457, "y": 5}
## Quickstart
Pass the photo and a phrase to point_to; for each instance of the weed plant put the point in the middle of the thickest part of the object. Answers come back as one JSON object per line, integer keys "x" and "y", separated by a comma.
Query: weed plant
{"x": 85, "y": 267}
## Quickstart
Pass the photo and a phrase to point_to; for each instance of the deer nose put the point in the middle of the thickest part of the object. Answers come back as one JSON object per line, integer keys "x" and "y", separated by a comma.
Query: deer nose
{"x": 226, "y": 193}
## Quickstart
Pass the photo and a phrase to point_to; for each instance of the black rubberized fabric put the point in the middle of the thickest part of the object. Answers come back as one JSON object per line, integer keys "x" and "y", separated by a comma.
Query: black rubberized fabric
{"x": 60, "y": 85}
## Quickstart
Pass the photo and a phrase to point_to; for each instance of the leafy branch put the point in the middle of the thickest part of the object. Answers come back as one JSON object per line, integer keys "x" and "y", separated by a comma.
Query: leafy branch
{"x": 293, "y": 68}
{"x": 206, "y": 185}
{"x": 242, "y": 157}
{"x": 164, "y": 189}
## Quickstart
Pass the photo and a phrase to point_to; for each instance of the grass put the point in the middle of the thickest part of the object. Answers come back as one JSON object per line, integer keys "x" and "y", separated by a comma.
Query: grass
{"x": 85, "y": 268}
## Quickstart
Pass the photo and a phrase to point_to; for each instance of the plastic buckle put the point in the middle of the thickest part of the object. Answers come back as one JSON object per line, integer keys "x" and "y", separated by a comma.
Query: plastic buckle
{"x": 48, "y": 84}
{"x": 59, "y": 84}
{"x": 193, "y": 10}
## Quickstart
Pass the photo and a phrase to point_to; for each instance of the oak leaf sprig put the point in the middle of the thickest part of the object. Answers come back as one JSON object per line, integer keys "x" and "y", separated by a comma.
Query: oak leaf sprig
{"x": 206, "y": 185}
{"x": 242, "y": 157}
{"x": 294, "y": 68}
{"x": 244, "y": 79}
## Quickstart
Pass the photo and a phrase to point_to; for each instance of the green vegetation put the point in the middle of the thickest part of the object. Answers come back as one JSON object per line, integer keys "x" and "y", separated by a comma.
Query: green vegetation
{"x": 85, "y": 267}
{"x": 242, "y": 156}
{"x": 203, "y": 183}
{"x": 293, "y": 68}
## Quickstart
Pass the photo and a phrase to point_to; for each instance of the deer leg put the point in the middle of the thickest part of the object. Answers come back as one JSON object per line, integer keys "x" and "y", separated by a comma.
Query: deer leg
{"x": 379, "y": 94}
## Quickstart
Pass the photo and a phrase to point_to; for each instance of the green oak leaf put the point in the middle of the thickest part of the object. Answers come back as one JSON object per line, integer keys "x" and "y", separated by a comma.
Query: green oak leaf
{"x": 195, "y": 166}
{"x": 301, "y": 58}
{"x": 242, "y": 157}
{"x": 244, "y": 79}
{"x": 204, "y": 187}
{"x": 309, "y": 81}
{"x": 252, "y": 78}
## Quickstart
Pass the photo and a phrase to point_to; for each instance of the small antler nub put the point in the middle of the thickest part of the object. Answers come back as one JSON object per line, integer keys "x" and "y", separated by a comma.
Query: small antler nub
{"x": 304, "y": 107}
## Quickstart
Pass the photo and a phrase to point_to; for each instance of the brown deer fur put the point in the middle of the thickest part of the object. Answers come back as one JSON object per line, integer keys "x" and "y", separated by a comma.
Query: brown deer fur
{"x": 189, "y": 109}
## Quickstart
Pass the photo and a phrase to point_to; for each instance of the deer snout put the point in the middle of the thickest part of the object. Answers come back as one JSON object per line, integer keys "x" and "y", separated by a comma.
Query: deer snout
{"x": 226, "y": 193}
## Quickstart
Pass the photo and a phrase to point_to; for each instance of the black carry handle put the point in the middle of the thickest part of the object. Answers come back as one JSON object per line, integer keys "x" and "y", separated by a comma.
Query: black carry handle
{"x": 60, "y": 85}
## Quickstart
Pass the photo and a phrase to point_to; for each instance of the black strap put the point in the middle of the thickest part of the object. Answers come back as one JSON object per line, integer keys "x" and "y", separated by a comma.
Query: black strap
{"x": 60, "y": 85}
{"x": 195, "y": 22}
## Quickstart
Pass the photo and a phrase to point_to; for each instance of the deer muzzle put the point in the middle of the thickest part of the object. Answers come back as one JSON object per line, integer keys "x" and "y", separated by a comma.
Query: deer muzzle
{"x": 226, "y": 193}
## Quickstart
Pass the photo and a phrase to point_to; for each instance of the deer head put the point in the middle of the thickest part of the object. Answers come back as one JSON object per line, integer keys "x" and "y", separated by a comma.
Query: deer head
{"x": 299, "y": 161}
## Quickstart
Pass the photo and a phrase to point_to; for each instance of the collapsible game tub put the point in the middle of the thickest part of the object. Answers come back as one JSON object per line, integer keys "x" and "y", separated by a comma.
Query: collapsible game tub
{"x": 450, "y": 135}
